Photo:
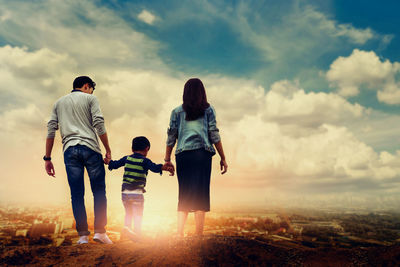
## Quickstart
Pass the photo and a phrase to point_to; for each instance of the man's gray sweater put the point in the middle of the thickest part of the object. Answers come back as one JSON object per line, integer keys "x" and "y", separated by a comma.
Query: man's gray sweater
{"x": 78, "y": 115}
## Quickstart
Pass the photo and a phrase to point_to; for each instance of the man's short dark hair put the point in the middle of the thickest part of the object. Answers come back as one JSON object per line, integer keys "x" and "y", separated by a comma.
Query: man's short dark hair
{"x": 81, "y": 81}
{"x": 140, "y": 143}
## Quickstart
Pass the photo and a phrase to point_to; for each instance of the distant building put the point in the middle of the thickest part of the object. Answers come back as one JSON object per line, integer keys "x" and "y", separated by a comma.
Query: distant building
{"x": 272, "y": 216}
{"x": 246, "y": 219}
{"x": 59, "y": 228}
{"x": 39, "y": 229}
{"x": 58, "y": 241}
{"x": 299, "y": 226}
{"x": 281, "y": 230}
{"x": 22, "y": 232}
{"x": 68, "y": 223}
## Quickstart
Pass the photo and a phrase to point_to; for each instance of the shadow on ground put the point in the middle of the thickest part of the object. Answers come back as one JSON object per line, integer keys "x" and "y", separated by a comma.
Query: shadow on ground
{"x": 210, "y": 251}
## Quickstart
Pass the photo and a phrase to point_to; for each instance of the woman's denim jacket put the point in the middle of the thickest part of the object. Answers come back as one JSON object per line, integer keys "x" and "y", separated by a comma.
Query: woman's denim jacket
{"x": 200, "y": 133}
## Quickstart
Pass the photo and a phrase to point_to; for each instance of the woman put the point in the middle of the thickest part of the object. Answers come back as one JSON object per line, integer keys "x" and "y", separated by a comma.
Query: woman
{"x": 193, "y": 124}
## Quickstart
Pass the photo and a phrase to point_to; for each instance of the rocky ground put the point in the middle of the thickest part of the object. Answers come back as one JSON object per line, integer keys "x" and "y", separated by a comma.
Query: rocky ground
{"x": 210, "y": 251}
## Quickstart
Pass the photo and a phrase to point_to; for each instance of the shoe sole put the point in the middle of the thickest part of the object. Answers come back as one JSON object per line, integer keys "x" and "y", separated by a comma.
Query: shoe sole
{"x": 101, "y": 242}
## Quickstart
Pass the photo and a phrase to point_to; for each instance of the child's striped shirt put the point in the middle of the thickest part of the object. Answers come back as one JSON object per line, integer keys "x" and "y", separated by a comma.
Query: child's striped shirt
{"x": 136, "y": 167}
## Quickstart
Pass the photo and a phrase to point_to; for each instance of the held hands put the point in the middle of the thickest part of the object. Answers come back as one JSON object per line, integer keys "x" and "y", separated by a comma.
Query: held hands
{"x": 48, "y": 165}
{"x": 168, "y": 166}
{"x": 106, "y": 161}
{"x": 224, "y": 166}
{"x": 107, "y": 157}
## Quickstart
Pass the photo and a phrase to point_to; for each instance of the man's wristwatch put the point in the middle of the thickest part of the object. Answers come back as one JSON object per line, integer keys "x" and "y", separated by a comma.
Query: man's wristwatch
{"x": 167, "y": 160}
{"x": 46, "y": 158}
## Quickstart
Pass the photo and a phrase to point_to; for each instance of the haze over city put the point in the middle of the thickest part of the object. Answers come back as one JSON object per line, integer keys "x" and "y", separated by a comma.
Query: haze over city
{"x": 306, "y": 95}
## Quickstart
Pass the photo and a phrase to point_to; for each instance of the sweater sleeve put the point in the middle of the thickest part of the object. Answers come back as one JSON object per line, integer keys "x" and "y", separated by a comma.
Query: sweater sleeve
{"x": 97, "y": 116}
{"x": 149, "y": 165}
{"x": 52, "y": 125}
{"x": 115, "y": 164}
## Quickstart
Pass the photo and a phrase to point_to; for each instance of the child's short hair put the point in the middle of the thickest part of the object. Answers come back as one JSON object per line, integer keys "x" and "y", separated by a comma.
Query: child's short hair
{"x": 140, "y": 143}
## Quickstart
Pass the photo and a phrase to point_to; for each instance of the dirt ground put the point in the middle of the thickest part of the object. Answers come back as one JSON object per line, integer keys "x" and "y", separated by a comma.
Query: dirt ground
{"x": 209, "y": 251}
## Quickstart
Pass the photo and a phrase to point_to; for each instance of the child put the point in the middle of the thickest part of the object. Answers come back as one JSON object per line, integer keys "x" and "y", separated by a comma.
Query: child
{"x": 134, "y": 181}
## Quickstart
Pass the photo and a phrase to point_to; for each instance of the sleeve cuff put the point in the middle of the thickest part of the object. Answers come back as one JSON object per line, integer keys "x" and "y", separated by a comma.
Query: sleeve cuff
{"x": 160, "y": 166}
{"x": 101, "y": 129}
{"x": 215, "y": 137}
{"x": 110, "y": 166}
{"x": 171, "y": 142}
{"x": 51, "y": 135}
{"x": 172, "y": 136}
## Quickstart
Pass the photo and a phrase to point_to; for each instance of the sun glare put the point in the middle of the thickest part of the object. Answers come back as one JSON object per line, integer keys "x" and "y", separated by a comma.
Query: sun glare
{"x": 157, "y": 223}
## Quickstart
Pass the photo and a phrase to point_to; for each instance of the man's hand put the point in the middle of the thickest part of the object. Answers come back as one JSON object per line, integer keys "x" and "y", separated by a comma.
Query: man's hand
{"x": 106, "y": 160}
{"x": 104, "y": 140}
{"x": 48, "y": 165}
{"x": 108, "y": 155}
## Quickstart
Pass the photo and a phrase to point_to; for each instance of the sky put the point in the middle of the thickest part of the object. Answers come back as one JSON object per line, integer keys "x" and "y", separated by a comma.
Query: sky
{"x": 307, "y": 94}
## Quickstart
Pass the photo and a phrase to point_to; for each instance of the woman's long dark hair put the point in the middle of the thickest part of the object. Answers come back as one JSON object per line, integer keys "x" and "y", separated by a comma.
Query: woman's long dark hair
{"x": 194, "y": 99}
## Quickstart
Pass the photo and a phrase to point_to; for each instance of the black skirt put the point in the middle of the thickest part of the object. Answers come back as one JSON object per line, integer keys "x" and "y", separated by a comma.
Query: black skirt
{"x": 193, "y": 168}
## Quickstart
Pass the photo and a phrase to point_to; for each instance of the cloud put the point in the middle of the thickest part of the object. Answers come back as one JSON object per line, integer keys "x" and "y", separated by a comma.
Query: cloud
{"x": 355, "y": 35}
{"x": 147, "y": 17}
{"x": 287, "y": 103}
{"x": 390, "y": 94}
{"x": 373, "y": 129}
{"x": 80, "y": 29}
{"x": 300, "y": 31}
{"x": 366, "y": 69}
{"x": 293, "y": 139}
{"x": 282, "y": 39}
{"x": 26, "y": 119}
{"x": 5, "y": 15}
{"x": 33, "y": 77}
{"x": 331, "y": 157}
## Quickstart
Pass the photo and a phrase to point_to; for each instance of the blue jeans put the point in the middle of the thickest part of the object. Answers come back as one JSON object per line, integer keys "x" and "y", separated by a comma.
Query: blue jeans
{"x": 76, "y": 158}
{"x": 133, "y": 204}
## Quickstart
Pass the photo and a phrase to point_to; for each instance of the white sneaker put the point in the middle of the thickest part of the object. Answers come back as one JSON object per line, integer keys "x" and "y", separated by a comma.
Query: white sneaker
{"x": 102, "y": 238}
{"x": 83, "y": 239}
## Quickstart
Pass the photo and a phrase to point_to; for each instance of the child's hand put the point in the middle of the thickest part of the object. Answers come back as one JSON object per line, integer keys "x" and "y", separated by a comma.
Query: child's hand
{"x": 106, "y": 161}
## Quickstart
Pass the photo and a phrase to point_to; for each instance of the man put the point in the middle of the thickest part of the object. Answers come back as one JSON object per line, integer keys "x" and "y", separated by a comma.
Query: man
{"x": 79, "y": 117}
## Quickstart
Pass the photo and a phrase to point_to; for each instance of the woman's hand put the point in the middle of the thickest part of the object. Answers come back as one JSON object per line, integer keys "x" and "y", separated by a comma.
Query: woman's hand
{"x": 224, "y": 166}
{"x": 168, "y": 166}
